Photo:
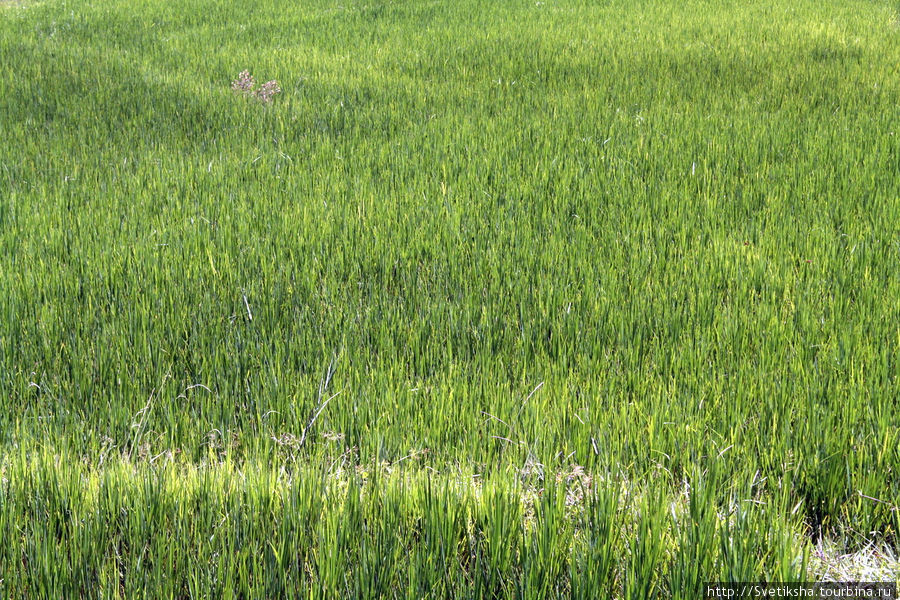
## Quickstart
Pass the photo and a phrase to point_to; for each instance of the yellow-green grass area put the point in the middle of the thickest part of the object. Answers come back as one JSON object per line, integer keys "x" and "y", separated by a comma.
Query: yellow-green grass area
{"x": 506, "y": 299}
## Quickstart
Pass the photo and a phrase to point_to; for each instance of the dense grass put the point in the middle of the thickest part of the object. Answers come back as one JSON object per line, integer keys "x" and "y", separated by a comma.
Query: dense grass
{"x": 608, "y": 293}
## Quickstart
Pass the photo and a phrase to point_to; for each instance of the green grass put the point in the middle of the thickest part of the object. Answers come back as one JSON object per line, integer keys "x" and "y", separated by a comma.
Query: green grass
{"x": 600, "y": 295}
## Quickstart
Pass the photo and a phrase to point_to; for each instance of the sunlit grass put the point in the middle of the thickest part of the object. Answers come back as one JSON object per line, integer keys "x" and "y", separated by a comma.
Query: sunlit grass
{"x": 642, "y": 256}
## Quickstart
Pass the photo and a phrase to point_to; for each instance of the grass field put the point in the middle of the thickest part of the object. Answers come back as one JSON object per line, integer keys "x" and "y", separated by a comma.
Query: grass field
{"x": 505, "y": 299}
